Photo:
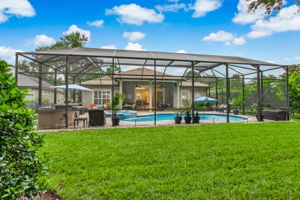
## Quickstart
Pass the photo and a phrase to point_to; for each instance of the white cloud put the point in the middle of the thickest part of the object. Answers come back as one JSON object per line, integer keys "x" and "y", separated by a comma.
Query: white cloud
{"x": 8, "y": 54}
{"x": 202, "y": 7}
{"x": 244, "y": 17}
{"x": 239, "y": 41}
{"x": 170, "y": 7}
{"x": 109, "y": 47}
{"x": 74, "y": 29}
{"x": 287, "y": 19}
{"x": 228, "y": 38}
{"x": 271, "y": 61}
{"x": 134, "y": 46}
{"x": 97, "y": 23}
{"x": 19, "y": 8}
{"x": 220, "y": 36}
{"x": 292, "y": 59}
{"x": 43, "y": 40}
{"x": 135, "y": 14}
{"x": 258, "y": 34}
{"x": 297, "y": 57}
{"x": 181, "y": 51}
{"x": 134, "y": 36}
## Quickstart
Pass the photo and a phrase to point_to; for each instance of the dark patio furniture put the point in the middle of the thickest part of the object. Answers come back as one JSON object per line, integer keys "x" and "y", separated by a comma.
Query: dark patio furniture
{"x": 96, "y": 117}
{"x": 276, "y": 115}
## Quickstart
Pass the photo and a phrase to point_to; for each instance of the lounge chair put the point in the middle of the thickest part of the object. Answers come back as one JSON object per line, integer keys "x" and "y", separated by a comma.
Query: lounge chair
{"x": 222, "y": 108}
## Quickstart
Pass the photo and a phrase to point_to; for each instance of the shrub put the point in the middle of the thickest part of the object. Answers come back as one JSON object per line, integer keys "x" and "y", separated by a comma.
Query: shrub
{"x": 20, "y": 168}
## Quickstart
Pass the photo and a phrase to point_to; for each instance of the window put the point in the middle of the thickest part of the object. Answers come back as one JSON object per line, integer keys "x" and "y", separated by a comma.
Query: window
{"x": 102, "y": 97}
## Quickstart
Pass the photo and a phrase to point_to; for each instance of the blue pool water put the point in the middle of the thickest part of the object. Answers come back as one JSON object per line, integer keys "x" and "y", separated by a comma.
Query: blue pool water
{"x": 123, "y": 114}
{"x": 170, "y": 116}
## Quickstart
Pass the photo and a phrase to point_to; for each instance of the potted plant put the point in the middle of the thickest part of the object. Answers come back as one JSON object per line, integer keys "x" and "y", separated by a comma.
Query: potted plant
{"x": 115, "y": 104}
{"x": 178, "y": 118}
{"x": 188, "y": 118}
{"x": 236, "y": 102}
{"x": 196, "y": 118}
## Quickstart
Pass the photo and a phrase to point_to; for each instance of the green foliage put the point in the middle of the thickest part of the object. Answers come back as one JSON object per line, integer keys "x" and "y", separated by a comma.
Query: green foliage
{"x": 117, "y": 69}
{"x": 237, "y": 102}
{"x": 294, "y": 89}
{"x": 224, "y": 161}
{"x": 117, "y": 101}
{"x": 72, "y": 40}
{"x": 20, "y": 168}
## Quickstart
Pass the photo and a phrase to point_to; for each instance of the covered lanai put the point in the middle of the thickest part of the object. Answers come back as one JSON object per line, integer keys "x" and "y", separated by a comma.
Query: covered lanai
{"x": 77, "y": 64}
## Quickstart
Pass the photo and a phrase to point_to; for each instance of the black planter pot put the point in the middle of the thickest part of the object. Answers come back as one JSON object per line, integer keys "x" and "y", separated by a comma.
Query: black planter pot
{"x": 177, "y": 119}
{"x": 235, "y": 111}
{"x": 115, "y": 121}
{"x": 188, "y": 119}
{"x": 196, "y": 119}
{"x": 260, "y": 118}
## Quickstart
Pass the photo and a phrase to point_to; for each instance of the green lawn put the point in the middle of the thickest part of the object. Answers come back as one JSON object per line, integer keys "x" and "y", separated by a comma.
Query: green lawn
{"x": 234, "y": 161}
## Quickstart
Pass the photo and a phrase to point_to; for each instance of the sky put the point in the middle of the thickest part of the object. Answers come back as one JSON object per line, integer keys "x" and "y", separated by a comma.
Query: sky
{"x": 194, "y": 26}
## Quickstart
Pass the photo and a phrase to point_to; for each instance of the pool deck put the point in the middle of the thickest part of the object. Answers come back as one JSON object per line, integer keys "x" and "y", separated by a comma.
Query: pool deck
{"x": 127, "y": 124}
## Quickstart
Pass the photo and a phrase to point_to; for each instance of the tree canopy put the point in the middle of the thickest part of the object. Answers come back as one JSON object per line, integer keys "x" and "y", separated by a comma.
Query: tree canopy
{"x": 72, "y": 40}
{"x": 268, "y": 5}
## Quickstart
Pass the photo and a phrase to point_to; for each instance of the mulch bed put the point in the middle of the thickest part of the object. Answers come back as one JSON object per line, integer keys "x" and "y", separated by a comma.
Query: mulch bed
{"x": 49, "y": 195}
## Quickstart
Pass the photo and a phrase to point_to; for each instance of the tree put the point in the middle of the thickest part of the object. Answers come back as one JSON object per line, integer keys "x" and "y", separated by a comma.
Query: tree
{"x": 294, "y": 90}
{"x": 117, "y": 69}
{"x": 20, "y": 167}
{"x": 72, "y": 40}
{"x": 268, "y": 5}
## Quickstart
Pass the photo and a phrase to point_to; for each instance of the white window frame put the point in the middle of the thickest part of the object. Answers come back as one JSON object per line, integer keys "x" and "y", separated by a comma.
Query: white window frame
{"x": 101, "y": 99}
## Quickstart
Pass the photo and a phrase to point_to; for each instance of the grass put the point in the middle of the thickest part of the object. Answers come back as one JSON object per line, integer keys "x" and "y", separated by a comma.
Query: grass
{"x": 225, "y": 161}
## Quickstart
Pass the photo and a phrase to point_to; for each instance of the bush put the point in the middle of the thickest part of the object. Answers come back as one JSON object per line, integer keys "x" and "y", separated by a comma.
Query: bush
{"x": 20, "y": 168}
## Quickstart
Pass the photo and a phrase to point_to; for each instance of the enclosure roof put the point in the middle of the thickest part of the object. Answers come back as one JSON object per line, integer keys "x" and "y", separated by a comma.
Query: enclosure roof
{"x": 143, "y": 73}
{"x": 131, "y": 57}
{"x": 25, "y": 81}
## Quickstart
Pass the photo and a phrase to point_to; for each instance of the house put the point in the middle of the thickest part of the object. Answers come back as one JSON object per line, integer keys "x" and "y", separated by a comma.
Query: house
{"x": 138, "y": 87}
{"x": 32, "y": 83}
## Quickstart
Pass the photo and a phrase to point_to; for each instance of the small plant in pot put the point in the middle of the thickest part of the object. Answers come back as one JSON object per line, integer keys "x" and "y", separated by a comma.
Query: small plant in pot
{"x": 178, "y": 118}
{"x": 236, "y": 102}
{"x": 114, "y": 106}
{"x": 188, "y": 118}
{"x": 196, "y": 118}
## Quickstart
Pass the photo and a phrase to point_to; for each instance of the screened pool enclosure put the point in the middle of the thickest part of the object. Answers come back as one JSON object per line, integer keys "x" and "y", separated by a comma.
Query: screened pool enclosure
{"x": 251, "y": 85}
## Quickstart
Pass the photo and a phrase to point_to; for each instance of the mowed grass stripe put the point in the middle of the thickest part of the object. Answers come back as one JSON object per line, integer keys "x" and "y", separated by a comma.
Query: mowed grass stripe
{"x": 225, "y": 161}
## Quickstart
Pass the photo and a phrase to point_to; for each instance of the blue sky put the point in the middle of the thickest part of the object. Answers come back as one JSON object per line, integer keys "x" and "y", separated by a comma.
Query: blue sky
{"x": 193, "y": 26}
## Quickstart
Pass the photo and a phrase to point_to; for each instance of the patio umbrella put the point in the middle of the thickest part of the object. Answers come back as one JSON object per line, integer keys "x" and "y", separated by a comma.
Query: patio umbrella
{"x": 205, "y": 99}
{"x": 72, "y": 87}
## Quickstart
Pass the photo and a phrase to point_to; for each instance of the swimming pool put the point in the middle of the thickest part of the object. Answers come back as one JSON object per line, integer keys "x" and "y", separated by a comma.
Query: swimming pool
{"x": 123, "y": 114}
{"x": 170, "y": 116}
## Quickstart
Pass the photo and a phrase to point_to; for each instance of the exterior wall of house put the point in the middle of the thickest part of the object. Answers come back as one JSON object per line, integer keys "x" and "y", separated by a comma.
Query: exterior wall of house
{"x": 47, "y": 97}
{"x": 88, "y": 97}
{"x": 186, "y": 93}
{"x": 128, "y": 88}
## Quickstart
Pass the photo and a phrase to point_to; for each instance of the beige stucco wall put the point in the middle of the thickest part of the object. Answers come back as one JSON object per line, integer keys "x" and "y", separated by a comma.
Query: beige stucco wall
{"x": 88, "y": 97}
{"x": 187, "y": 92}
{"x": 47, "y": 96}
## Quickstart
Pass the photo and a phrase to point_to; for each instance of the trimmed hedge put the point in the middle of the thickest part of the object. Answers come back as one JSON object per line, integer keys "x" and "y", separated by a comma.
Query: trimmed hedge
{"x": 20, "y": 168}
